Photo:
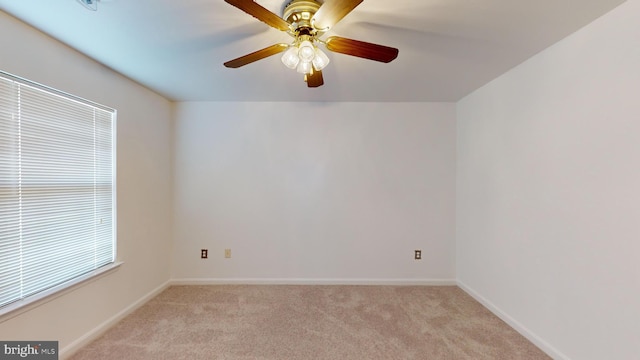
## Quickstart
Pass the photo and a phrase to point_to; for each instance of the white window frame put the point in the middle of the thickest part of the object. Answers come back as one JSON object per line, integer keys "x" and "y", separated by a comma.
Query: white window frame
{"x": 27, "y": 303}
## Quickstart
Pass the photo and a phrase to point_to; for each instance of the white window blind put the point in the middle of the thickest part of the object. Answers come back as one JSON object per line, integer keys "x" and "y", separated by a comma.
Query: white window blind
{"x": 56, "y": 188}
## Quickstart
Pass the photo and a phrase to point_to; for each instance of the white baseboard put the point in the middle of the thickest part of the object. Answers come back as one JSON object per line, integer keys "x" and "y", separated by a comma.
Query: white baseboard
{"x": 76, "y": 345}
{"x": 295, "y": 281}
{"x": 535, "y": 339}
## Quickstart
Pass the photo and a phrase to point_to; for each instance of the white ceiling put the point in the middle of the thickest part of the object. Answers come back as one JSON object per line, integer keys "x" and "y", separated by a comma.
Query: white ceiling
{"x": 448, "y": 48}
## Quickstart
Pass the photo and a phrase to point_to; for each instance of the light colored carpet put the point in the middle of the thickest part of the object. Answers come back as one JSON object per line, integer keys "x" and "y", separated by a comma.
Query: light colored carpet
{"x": 311, "y": 322}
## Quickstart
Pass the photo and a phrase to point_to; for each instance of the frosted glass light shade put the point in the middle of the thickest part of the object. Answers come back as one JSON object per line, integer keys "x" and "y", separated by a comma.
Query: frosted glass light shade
{"x": 321, "y": 60}
{"x": 304, "y": 67}
{"x": 306, "y": 51}
{"x": 290, "y": 57}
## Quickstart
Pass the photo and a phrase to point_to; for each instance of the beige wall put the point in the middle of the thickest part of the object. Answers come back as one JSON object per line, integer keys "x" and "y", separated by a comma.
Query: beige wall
{"x": 315, "y": 192}
{"x": 143, "y": 177}
{"x": 548, "y": 192}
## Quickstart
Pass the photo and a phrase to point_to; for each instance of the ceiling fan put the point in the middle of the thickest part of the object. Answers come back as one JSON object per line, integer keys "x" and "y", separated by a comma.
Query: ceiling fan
{"x": 306, "y": 21}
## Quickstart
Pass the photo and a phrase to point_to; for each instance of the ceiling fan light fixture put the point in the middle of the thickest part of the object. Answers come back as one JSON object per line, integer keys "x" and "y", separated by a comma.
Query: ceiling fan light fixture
{"x": 304, "y": 56}
{"x": 290, "y": 58}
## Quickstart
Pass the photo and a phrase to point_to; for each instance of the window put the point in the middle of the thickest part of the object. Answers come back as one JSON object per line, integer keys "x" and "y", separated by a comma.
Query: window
{"x": 56, "y": 188}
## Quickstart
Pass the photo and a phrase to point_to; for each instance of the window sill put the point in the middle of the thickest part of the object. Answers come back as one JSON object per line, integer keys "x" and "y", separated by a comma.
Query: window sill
{"x": 32, "y": 302}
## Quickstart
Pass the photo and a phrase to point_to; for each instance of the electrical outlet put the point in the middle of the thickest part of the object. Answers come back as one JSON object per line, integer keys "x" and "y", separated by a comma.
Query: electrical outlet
{"x": 204, "y": 254}
{"x": 227, "y": 253}
{"x": 418, "y": 255}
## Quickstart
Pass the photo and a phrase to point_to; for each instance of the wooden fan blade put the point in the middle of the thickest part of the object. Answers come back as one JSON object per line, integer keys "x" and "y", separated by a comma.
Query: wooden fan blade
{"x": 361, "y": 49}
{"x": 254, "y": 9}
{"x": 333, "y": 11}
{"x": 255, "y": 56}
{"x": 315, "y": 79}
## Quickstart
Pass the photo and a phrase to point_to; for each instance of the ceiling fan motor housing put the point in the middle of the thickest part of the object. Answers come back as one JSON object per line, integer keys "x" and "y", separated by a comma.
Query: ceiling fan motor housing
{"x": 299, "y": 14}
